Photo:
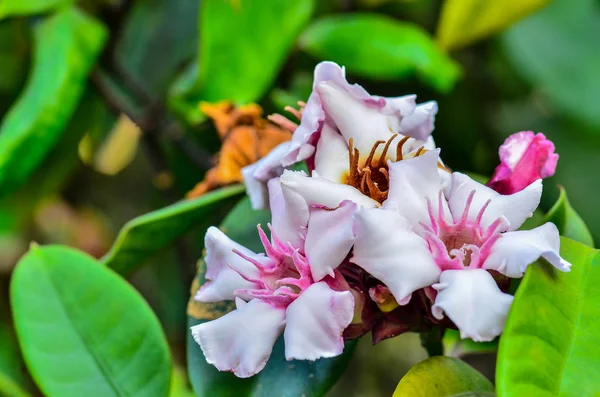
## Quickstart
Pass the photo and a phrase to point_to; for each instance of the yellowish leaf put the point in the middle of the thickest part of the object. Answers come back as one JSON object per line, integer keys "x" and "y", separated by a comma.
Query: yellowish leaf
{"x": 120, "y": 147}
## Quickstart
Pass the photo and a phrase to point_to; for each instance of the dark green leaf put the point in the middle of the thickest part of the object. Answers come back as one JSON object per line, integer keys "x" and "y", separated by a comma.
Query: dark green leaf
{"x": 378, "y": 47}
{"x": 455, "y": 346}
{"x": 146, "y": 235}
{"x": 27, "y": 7}
{"x": 11, "y": 366}
{"x": 66, "y": 46}
{"x": 556, "y": 50}
{"x": 84, "y": 331}
{"x": 443, "y": 377}
{"x": 569, "y": 223}
{"x": 243, "y": 44}
{"x": 280, "y": 377}
{"x": 551, "y": 342}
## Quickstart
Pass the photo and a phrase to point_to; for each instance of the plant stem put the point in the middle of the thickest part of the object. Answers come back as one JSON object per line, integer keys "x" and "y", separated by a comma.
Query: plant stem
{"x": 432, "y": 341}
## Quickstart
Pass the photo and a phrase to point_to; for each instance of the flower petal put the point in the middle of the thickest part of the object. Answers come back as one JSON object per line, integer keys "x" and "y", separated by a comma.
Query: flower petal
{"x": 412, "y": 183}
{"x": 331, "y": 157}
{"x": 241, "y": 341}
{"x": 472, "y": 300}
{"x": 258, "y": 174}
{"x": 515, "y": 251}
{"x": 516, "y": 208}
{"x": 289, "y": 214}
{"x": 420, "y": 123}
{"x": 223, "y": 280}
{"x": 316, "y": 321}
{"x": 329, "y": 238}
{"x": 319, "y": 191}
{"x": 388, "y": 250}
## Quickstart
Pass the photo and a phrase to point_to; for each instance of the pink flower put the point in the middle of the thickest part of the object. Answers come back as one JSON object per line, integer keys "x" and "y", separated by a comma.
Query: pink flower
{"x": 524, "y": 158}
{"x": 276, "y": 293}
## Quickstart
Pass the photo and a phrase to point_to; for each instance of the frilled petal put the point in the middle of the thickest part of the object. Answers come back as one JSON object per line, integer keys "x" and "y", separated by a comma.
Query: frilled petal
{"x": 258, "y": 174}
{"x": 386, "y": 248}
{"x": 289, "y": 214}
{"x": 316, "y": 321}
{"x": 319, "y": 191}
{"x": 515, "y": 251}
{"x": 524, "y": 158}
{"x": 331, "y": 157}
{"x": 420, "y": 123}
{"x": 219, "y": 259}
{"x": 516, "y": 208}
{"x": 472, "y": 300}
{"x": 241, "y": 341}
{"x": 329, "y": 238}
{"x": 413, "y": 183}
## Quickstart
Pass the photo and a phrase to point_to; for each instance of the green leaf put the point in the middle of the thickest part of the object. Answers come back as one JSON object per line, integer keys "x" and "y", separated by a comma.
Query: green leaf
{"x": 11, "y": 367}
{"x": 455, "y": 346}
{"x": 569, "y": 223}
{"x": 279, "y": 377}
{"x": 441, "y": 376}
{"x": 551, "y": 342}
{"x": 463, "y": 22}
{"x": 28, "y": 7}
{"x": 243, "y": 44}
{"x": 378, "y": 47}
{"x": 146, "y": 235}
{"x": 556, "y": 50}
{"x": 84, "y": 331}
{"x": 66, "y": 46}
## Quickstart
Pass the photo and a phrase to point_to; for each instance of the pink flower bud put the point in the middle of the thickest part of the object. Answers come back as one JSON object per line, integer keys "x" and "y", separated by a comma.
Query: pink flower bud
{"x": 524, "y": 158}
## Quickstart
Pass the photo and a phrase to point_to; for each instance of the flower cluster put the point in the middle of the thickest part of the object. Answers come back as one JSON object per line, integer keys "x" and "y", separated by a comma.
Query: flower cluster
{"x": 381, "y": 237}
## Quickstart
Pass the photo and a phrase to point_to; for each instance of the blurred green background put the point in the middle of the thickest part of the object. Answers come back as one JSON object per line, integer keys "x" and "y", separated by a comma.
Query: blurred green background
{"x": 100, "y": 120}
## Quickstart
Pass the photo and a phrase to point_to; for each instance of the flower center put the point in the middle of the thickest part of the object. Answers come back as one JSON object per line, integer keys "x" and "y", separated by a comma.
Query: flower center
{"x": 372, "y": 177}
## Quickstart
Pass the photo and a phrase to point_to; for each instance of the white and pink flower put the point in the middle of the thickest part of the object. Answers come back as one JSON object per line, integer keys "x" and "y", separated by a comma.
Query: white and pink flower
{"x": 423, "y": 237}
{"x": 274, "y": 293}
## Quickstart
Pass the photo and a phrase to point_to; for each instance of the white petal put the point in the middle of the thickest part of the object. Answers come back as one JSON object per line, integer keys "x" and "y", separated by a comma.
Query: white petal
{"x": 241, "y": 341}
{"x": 316, "y": 321}
{"x": 516, "y": 208}
{"x": 319, "y": 191}
{"x": 472, "y": 300}
{"x": 331, "y": 157}
{"x": 289, "y": 214}
{"x": 387, "y": 249}
{"x": 258, "y": 174}
{"x": 420, "y": 123}
{"x": 412, "y": 183}
{"x": 223, "y": 280}
{"x": 515, "y": 251}
{"x": 329, "y": 238}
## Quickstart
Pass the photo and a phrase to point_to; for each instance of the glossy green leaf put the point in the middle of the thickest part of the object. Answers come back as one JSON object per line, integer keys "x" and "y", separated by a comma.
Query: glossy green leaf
{"x": 551, "y": 341}
{"x": 146, "y": 235}
{"x": 83, "y": 330}
{"x": 279, "y": 377}
{"x": 441, "y": 376}
{"x": 243, "y": 45}
{"x": 556, "y": 50}
{"x": 569, "y": 223}
{"x": 378, "y": 47}
{"x": 66, "y": 47}
{"x": 463, "y": 22}
{"x": 28, "y": 7}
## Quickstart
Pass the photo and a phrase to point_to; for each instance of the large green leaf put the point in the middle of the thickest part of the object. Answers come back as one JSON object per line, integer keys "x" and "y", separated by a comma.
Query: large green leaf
{"x": 441, "y": 376}
{"x": 379, "y": 47}
{"x": 279, "y": 377}
{"x": 465, "y": 21}
{"x": 551, "y": 342}
{"x": 243, "y": 44}
{"x": 66, "y": 46}
{"x": 556, "y": 50}
{"x": 569, "y": 223}
{"x": 146, "y": 235}
{"x": 27, "y": 7}
{"x": 84, "y": 331}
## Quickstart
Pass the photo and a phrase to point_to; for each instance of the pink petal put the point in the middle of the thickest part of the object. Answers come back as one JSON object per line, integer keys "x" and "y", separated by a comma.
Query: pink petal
{"x": 524, "y": 158}
{"x": 316, "y": 321}
{"x": 241, "y": 341}
{"x": 289, "y": 214}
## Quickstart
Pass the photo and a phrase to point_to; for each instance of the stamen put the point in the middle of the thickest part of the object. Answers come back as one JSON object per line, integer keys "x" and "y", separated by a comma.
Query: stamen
{"x": 369, "y": 161}
{"x": 480, "y": 214}
{"x": 385, "y": 149}
{"x": 297, "y": 113}
{"x": 399, "y": 155}
{"x": 465, "y": 213}
{"x": 419, "y": 151}
{"x": 256, "y": 263}
{"x": 283, "y": 122}
{"x": 269, "y": 249}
